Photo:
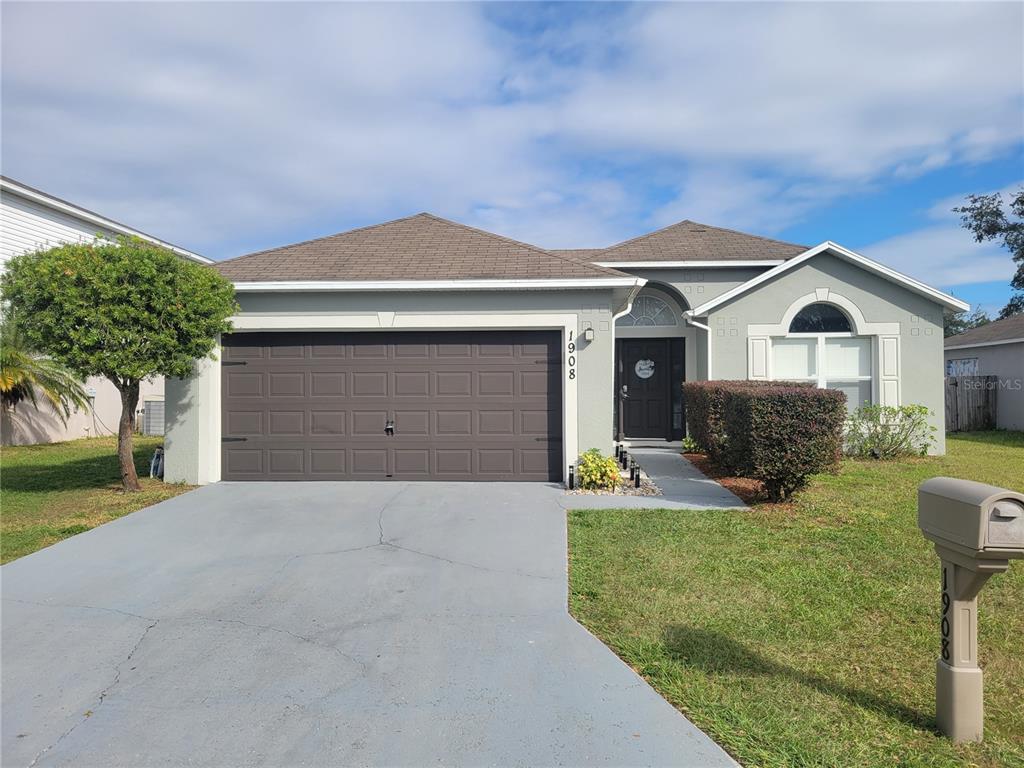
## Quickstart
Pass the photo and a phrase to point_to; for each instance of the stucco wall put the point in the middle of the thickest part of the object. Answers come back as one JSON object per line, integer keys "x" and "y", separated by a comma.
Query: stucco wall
{"x": 192, "y": 406}
{"x": 1007, "y": 362}
{"x": 697, "y": 286}
{"x": 27, "y": 425}
{"x": 879, "y": 300}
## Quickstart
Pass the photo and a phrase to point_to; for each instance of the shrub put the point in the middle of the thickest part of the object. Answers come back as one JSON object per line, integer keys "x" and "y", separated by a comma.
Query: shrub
{"x": 887, "y": 432}
{"x": 704, "y": 401}
{"x": 594, "y": 471}
{"x": 783, "y": 434}
{"x": 690, "y": 445}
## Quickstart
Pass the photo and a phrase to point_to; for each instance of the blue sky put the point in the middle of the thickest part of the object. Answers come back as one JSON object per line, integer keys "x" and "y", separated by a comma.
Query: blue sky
{"x": 231, "y": 127}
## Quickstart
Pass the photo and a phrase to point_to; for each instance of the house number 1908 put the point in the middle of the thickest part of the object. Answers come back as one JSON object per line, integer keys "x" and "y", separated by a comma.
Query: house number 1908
{"x": 945, "y": 615}
{"x": 571, "y": 356}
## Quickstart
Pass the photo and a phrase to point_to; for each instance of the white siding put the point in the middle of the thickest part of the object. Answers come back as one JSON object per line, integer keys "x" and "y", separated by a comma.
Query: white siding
{"x": 26, "y": 225}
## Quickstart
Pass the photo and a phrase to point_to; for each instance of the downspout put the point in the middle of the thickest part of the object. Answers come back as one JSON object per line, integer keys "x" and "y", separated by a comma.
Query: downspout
{"x": 690, "y": 321}
{"x": 630, "y": 298}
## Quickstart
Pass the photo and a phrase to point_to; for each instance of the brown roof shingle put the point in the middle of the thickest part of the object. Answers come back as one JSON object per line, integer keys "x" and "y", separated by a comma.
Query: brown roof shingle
{"x": 420, "y": 247}
{"x": 999, "y": 330}
{"x": 690, "y": 241}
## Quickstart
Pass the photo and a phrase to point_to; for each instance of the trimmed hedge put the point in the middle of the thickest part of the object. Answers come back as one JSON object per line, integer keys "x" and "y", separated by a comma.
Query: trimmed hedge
{"x": 775, "y": 432}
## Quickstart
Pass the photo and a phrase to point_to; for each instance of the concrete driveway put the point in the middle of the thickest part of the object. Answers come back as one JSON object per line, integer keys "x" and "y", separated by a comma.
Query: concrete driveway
{"x": 322, "y": 624}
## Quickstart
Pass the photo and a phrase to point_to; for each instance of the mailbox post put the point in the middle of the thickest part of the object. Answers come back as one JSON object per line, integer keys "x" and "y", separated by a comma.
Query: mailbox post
{"x": 977, "y": 529}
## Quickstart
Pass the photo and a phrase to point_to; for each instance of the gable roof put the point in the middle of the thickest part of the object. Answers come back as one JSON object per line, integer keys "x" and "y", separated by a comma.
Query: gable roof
{"x": 881, "y": 270}
{"x": 689, "y": 241}
{"x": 1005, "y": 331}
{"x": 10, "y": 186}
{"x": 417, "y": 249}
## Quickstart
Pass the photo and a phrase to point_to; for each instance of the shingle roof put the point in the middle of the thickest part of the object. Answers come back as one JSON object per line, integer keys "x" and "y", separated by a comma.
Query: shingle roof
{"x": 690, "y": 241}
{"x": 420, "y": 247}
{"x": 999, "y": 330}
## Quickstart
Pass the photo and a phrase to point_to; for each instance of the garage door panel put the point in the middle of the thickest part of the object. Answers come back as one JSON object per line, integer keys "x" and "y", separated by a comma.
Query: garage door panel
{"x": 496, "y": 383}
{"x": 243, "y": 383}
{"x": 454, "y": 423}
{"x": 289, "y": 423}
{"x": 286, "y": 461}
{"x": 369, "y": 384}
{"x": 328, "y": 383}
{"x": 328, "y": 422}
{"x": 465, "y": 406}
{"x": 329, "y": 461}
{"x": 286, "y": 384}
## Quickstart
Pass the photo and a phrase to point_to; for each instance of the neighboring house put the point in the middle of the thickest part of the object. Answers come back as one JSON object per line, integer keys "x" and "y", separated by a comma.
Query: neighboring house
{"x": 994, "y": 349}
{"x": 426, "y": 349}
{"x": 31, "y": 220}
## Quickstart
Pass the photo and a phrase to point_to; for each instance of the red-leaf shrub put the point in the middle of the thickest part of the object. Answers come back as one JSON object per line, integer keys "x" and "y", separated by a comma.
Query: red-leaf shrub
{"x": 774, "y": 432}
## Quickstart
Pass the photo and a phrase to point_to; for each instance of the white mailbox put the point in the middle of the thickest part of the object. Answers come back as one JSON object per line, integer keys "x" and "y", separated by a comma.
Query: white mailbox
{"x": 973, "y": 519}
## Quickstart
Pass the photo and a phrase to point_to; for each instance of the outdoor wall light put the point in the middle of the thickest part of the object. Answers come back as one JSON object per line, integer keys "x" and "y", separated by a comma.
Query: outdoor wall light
{"x": 588, "y": 334}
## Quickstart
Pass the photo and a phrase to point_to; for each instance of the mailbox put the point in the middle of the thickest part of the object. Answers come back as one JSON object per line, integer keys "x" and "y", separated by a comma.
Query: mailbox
{"x": 972, "y": 519}
{"x": 977, "y": 529}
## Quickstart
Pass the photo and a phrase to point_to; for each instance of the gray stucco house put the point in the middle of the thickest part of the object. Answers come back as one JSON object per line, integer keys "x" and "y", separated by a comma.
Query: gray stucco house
{"x": 425, "y": 349}
{"x": 994, "y": 349}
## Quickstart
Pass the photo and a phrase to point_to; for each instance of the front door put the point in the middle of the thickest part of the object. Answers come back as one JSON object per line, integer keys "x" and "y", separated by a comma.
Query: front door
{"x": 644, "y": 379}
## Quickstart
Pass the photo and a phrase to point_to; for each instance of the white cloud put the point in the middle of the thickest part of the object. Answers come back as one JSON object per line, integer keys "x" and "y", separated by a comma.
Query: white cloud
{"x": 944, "y": 256}
{"x": 228, "y": 125}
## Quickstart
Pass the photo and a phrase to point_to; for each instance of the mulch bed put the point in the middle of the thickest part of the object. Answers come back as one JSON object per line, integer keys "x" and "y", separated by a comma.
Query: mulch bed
{"x": 749, "y": 490}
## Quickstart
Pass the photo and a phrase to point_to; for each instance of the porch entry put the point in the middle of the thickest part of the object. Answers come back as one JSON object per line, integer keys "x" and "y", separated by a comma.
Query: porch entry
{"x": 649, "y": 375}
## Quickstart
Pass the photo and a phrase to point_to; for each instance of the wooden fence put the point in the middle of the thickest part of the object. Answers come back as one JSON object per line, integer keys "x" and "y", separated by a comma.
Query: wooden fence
{"x": 971, "y": 403}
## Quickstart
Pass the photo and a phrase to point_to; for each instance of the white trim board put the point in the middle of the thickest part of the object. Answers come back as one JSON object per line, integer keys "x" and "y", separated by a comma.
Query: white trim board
{"x": 13, "y": 187}
{"x": 439, "y": 285}
{"x": 984, "y": 344}
{"x": 689, "y": 264}
{"x": 854, "y": 258}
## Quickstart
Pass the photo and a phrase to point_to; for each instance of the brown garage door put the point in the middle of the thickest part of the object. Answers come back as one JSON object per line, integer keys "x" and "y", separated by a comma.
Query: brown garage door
{"x": 411, "y": 406}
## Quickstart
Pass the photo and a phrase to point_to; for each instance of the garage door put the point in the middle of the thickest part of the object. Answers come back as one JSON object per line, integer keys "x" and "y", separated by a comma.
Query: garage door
{"x": 410, "y": 406}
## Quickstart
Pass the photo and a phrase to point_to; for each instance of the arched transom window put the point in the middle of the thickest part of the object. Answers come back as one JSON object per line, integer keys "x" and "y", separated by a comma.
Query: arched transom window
{"x": 820, "y": 318}
{"x": 649, "y": 311}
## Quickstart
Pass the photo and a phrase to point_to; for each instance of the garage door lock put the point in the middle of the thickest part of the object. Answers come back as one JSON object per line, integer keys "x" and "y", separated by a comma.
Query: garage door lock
{"x": 389, "y": 427}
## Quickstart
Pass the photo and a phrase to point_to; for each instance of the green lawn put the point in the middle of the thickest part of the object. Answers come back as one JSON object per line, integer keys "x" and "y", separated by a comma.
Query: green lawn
{"x": 50, "y": 492}
{"x": 806, "y": 634}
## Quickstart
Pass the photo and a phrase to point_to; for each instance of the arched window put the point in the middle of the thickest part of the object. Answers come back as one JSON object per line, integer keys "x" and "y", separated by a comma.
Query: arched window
{"x": 649, "y": 311}
{"x": 820, "y": 318}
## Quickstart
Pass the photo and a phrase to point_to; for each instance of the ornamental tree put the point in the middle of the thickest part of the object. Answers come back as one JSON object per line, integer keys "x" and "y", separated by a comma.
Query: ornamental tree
{"x": 126, "y": 310}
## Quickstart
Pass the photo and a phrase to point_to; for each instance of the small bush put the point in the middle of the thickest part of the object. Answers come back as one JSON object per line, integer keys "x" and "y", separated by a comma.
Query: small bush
{"x": 704, "y": 400}
{"x": 594, "y": 471}
{"x": 775, "y": 432}
{"x": 690, "y": 445}
{"x": 888, "y": 432}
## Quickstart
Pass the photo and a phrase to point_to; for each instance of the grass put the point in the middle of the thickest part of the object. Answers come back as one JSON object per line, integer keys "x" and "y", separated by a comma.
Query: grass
{"x": 806, "y": 634}
{"x": 51, "y": 492}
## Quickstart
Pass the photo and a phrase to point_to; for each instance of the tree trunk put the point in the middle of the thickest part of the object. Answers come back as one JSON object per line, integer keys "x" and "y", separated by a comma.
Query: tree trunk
{"x": 125, "y": 431}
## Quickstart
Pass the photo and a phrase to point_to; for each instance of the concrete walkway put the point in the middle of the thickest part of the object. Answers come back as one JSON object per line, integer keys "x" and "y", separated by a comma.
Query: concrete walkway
{"x": 683, "y": 486}
{"x": 322, "y": 624}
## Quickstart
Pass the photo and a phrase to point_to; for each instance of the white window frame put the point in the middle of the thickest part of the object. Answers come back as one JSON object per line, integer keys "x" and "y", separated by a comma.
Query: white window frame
{"x": 820, "y": 378}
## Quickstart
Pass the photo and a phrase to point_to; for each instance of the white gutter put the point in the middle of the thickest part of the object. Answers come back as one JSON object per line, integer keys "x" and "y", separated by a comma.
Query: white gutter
{"x": 94, "y": 218}
{"x": 688, "y": 264}
{"x": 438, "y": 285}
{"x": 985, "y": 344}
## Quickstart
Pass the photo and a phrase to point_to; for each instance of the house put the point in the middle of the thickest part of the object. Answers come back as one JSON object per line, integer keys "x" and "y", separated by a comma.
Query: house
{"x": 994, "y": 349}
{"x": 425, "y": 349}
{"x": 31, "y": 220}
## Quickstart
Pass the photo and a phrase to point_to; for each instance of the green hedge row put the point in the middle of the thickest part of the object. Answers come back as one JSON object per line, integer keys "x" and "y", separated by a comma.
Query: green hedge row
{"x": 774, "y": 432}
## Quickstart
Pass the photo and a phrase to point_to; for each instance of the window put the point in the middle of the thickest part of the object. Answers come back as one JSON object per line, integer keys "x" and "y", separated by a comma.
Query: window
{"x": 833, "y": 362}
{"x": 967, "y": 366}
{"x": 820, "y": 318}
{"x": 648, "y": 311}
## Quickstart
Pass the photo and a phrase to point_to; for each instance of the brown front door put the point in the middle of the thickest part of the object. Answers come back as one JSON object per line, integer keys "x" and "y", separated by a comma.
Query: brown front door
{"x": 457, "y": 405}
{"x": 645, "y": 398}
